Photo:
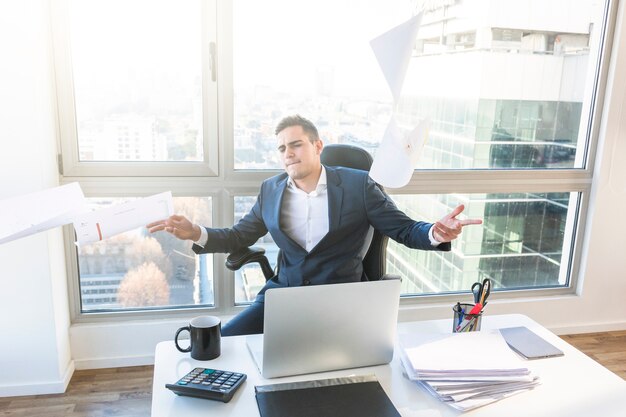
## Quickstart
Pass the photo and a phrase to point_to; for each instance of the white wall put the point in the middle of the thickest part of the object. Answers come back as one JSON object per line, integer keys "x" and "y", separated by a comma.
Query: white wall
{"x": 34, "y": 319}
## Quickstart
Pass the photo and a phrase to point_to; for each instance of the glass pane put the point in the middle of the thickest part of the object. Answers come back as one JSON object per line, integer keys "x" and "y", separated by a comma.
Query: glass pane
{"x": 327, "y": 74}
{"x": 139, "y": 270}
{"x": 504, "y": 84}
{"x": 137, "y": 79}
{"x": 250, "y": 279}
{"x": 522, "y": 242}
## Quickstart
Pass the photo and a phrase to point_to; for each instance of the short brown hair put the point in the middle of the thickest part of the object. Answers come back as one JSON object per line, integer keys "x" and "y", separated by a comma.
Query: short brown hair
{"x": 297, "y": 120}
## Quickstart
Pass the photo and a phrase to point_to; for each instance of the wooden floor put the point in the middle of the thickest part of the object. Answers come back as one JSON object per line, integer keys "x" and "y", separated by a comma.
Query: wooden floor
{"x": 119, "y": 392}
{"x": 126, "y": 392}
{"x": 608, "y": 348}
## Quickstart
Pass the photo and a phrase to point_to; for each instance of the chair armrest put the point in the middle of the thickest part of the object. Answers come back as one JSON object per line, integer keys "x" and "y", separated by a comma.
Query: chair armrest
{"x": 391, "y": 276}
{"x": 241, "y": 257}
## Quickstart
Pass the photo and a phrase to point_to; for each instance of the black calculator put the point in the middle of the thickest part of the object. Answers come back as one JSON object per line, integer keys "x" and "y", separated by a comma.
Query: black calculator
{"x": 211, "y": 384}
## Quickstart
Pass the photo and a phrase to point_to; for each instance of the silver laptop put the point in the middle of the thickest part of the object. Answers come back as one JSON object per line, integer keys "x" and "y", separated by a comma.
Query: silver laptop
{"x": 326, "y": 327}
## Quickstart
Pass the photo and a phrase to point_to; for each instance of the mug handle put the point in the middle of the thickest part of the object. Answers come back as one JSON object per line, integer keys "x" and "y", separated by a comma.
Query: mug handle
{"x": 176, "y": 339}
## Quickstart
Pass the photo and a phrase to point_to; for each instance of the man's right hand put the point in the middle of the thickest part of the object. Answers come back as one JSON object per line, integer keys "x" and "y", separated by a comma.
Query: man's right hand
{"x": 178, "y": 226}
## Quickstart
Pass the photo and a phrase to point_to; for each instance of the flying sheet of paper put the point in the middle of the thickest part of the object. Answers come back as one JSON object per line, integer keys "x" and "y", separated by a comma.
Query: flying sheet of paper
{"x": 393, "y": 51}
{"x": 398, "y": 154}
{"x": 102, "y": 224}
{"x": 31, "y": 213}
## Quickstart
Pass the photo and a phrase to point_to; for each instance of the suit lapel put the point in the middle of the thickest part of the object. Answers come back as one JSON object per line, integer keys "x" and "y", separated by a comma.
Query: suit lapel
{"x": 335, "y": 202}
{"x": 277, "y": 199}
{"x": 335, "y": 198}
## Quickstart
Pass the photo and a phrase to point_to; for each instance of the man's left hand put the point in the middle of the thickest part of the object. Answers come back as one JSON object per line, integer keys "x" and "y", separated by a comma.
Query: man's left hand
{"x": 449, "y": 227}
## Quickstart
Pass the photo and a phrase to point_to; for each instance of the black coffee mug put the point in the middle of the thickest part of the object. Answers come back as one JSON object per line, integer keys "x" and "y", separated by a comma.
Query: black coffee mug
{"x": 205, "y": 334}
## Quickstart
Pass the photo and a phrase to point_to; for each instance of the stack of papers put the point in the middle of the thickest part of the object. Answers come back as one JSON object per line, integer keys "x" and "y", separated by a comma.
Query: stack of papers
{"x": 465, "y": 370}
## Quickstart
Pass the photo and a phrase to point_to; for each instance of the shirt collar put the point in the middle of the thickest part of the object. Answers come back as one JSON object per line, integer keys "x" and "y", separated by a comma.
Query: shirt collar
{"x": 321, "y": 183}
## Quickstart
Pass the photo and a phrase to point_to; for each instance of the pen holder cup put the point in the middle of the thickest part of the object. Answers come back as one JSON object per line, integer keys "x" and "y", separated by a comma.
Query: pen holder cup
{"x": 465, "y": 322}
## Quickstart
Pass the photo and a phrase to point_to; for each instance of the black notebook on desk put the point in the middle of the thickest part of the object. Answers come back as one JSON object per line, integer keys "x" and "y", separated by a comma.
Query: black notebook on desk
{"x": 360, "y": 396}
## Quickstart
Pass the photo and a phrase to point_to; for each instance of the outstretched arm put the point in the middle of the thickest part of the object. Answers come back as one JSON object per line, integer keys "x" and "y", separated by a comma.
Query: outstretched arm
{"x": 178, "y": 226}
{"x": 223, "y": 240}
{"x": 449, "y": 227}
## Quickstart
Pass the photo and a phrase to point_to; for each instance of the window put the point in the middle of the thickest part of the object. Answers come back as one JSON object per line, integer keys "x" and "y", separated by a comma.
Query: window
{"x": 137, "y": 95}
{"x": 522, "y": 243}
{"x": 138, "y": 271}
{"x": 190, "y": 102}
{"x": 505, "y": 97}
{"x": 250, "y": 279}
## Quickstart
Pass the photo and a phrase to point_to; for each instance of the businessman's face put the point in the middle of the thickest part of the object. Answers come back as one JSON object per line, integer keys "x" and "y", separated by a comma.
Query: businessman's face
{"x": 300, "y": 157}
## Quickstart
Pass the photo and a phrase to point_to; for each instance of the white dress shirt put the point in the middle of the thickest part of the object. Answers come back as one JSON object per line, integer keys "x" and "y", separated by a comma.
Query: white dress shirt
{"x": 304, "y": 216}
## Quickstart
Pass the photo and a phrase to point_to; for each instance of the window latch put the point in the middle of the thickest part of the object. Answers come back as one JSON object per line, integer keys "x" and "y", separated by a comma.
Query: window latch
{"x": 212, "y": 64}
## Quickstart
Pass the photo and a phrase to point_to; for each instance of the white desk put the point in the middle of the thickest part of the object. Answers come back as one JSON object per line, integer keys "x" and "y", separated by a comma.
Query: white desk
{"x": 572, "y": 386}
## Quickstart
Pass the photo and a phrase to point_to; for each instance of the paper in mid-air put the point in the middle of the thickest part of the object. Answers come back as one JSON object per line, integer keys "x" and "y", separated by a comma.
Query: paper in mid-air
{"x": 101, "y": 224}
{"x": 398, "y": 154}
{"x": 393, "y": 50}
{"x": 39, "y": 211}
{"x": 36, "y": 212}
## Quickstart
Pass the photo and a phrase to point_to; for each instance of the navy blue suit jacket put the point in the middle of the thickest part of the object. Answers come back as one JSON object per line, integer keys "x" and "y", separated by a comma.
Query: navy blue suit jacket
{"x": 354, "y": 203}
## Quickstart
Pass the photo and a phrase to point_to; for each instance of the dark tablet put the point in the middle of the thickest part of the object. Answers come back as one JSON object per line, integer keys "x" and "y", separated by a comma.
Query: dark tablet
{"x": 528, "y": 344}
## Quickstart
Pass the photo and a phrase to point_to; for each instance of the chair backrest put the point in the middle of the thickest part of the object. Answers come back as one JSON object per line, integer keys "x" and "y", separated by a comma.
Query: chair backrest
{"x": 358, "y": 158}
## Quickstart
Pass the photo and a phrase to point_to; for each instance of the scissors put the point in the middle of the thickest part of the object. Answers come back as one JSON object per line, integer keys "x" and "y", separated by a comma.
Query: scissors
{"x": 481, "y": 291}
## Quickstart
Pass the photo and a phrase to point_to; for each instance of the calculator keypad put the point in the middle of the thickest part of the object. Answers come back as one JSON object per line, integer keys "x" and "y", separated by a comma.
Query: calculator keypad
{"x": 209, "y": 383}
{"x": 210, "y": 377}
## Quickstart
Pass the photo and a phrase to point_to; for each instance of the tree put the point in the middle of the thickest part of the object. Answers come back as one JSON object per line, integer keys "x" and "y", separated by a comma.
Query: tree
{"x": 147, "y": 250}
{"x": 144, "y": 286}
{"x": 105, "y": 257}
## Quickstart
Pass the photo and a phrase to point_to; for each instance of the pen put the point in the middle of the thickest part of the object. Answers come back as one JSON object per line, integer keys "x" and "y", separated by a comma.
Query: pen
{"x": 474, "y": 324}
{"x": 486, "y": 290}
{"x": 460, "y": 311}
{"x": 464, "y": 327}
{"x": 469, "y": 320}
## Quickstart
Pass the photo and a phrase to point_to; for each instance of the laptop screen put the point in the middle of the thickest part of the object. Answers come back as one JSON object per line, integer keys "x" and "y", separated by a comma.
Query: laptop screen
{"x": 328, "y": 327}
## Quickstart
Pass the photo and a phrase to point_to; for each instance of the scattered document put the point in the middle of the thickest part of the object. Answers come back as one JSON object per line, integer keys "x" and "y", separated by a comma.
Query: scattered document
{"x": 28, "y": 214}
{"x": 43, "y": 210}
{"x": 393, "y": 50}
{"x": 465, "y": 370}
{"x": 398, "y": 153}
{"x": 101, "y": 224}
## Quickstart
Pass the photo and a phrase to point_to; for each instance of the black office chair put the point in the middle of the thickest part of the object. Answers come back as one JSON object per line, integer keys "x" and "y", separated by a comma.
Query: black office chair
{"x": 374, "y": 262}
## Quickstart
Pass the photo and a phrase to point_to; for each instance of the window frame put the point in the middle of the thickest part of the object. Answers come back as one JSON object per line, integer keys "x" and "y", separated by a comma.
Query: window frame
{"x": 69, "y": 160}
{"x": 222, "y": 185}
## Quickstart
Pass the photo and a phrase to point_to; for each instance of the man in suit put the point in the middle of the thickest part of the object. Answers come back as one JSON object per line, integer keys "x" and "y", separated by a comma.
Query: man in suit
{"x": 318, "y": 216}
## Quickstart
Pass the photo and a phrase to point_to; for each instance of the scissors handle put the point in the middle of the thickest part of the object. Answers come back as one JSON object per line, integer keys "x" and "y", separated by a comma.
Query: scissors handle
{"x": 477, "y": 289}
